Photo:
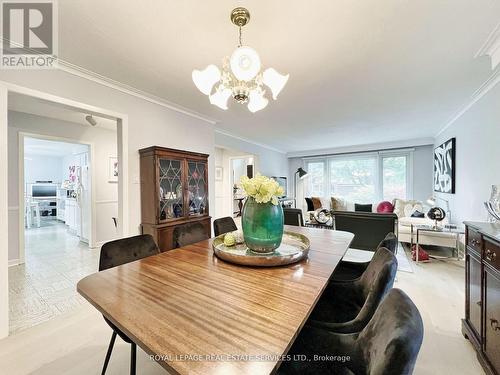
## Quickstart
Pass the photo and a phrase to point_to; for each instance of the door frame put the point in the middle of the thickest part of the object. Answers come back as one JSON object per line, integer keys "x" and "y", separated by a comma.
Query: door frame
{"x": 121, "y": 119}
{"x": 22, "y": 182}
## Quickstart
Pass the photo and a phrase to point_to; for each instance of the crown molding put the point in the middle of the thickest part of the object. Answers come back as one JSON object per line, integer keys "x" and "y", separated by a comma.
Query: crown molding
{"x": 108, "y": 82}
{"x": 491, "y": 48}
{"x": 487, "y": 85}
{"x": 223, "y": 132}
{"x": 403, "y": 144}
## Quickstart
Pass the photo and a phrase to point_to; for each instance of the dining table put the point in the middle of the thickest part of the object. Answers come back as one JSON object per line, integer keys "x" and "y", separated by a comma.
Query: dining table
{"x": 196, "y": 314}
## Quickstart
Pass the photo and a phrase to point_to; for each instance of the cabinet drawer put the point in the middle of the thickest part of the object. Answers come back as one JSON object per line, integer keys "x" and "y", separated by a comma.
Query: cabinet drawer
{"x": 492, "y": 320}
{"x": 474, "y": 239}
{"x": 491, "y": 254}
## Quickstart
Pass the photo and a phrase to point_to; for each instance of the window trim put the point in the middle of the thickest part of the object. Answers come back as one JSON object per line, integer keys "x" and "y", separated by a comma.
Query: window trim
{"x": 379, "y": 180}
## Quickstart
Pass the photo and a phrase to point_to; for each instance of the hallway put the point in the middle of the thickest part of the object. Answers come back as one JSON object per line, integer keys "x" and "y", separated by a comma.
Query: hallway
{"x": 45, "y": 285}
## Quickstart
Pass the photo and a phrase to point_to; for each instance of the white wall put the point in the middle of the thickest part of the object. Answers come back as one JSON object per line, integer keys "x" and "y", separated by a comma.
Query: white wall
{"x": 42, "y": 168}
{"x": 477, "y": 135}
{"x": 422, "y": 174}
{"x": 148, "y": 123}
{"x": 269, "y": 162}
{"x": 104, "y": 142}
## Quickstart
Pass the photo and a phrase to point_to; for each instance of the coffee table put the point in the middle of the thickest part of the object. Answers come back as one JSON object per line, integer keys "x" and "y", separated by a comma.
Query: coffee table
{"x": 457, "y": 231}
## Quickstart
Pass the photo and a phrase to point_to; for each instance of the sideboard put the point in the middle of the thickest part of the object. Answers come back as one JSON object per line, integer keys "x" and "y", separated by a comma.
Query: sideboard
{"x": 482, "y": 293}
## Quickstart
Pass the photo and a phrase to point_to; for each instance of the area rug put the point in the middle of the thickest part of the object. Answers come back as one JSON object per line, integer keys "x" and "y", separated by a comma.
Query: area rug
{"x": 404, "y": 264}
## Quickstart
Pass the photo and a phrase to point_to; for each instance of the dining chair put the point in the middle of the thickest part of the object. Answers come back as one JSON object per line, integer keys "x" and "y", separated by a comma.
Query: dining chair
{"x": 347, "y": 307}
{"x": 348, "y": 270}
{"x": 224, "y": 225}
{"x": 293, "y": 216}
{"x": 388, "y": 345}
{"x": 188, "y": 234}
{"x": 116, "y": 253}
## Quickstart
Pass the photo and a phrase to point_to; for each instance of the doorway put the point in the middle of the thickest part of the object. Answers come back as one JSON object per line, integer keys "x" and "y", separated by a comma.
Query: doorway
{"x": 65, "y": 199}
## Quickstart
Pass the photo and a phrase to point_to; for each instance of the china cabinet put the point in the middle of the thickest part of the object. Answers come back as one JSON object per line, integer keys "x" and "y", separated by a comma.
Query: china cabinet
{"x": 174, "y": 192}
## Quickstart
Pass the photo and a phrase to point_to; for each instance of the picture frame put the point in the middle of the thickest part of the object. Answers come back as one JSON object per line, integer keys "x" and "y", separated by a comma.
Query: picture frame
{"x": 113, "y": 169}
{"x": 444, "y": 167}
{"x": 219, "y": 171}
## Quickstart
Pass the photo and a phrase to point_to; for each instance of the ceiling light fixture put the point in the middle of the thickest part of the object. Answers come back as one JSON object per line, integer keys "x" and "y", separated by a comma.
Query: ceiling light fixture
{"x": 241, "y": 75}
{"x": 91, "y": 120}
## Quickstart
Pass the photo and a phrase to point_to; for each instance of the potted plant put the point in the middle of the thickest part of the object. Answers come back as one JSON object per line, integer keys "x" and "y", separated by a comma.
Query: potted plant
{"x": 262, "y": 215}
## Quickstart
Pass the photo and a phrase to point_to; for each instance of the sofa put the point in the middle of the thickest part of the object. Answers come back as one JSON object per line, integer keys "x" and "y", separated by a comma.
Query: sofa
{"x": 405, "y": 211}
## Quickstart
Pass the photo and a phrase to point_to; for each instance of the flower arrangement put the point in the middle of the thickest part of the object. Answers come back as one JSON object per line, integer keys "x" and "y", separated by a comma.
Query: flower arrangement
{"x": 263, "y": 189}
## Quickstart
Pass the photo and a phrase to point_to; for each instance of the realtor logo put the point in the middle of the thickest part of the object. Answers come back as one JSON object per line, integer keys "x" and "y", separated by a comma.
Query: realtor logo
{"x": 29, "y": 34}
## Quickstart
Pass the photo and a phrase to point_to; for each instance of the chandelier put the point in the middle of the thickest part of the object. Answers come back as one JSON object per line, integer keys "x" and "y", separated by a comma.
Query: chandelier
{"x": 241, "y": 75}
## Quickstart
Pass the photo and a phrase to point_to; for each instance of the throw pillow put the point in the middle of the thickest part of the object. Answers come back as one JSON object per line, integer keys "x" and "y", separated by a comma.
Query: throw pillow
{"x": 316, "y": 202}
{"x": 336, "y": 205}
{"x": 385, "y": 207}
{"x": 362, "y": 207}
{"x": 417, "y": 213}
{"x": 310, "y": 206}
{"x": 404, "y": 208}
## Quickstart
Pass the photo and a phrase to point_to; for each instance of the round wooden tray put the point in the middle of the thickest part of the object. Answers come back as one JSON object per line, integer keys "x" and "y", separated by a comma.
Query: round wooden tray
{"x": 294, "y": 247}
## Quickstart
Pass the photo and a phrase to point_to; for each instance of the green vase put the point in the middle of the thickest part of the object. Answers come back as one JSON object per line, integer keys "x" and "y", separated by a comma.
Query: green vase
{"x": 262, "y": 225}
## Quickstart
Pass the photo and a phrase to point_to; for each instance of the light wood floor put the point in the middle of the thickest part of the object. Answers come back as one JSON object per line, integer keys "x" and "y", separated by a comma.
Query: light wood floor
{"x": 75, "y": 343}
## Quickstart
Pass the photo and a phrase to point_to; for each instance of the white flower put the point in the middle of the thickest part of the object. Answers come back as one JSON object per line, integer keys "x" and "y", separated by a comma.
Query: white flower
{"x": 263, "y": 189}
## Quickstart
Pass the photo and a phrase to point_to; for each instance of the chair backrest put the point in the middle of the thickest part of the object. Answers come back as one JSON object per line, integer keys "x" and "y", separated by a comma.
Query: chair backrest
{"x": 189, "y": 233}
{"x": 369, "y": 228}
{"x": 390, "y": 343}
{"x": 375, "y": 282}
{"x": 126, "y": 250}
{"x": 390, "y": 242}
{"x": 293, "y": 216}
{"x": 224, "y": 225}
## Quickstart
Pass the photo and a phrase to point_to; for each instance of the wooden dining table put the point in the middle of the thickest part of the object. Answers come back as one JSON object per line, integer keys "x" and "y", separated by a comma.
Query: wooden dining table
{"x": 196, "y": 314}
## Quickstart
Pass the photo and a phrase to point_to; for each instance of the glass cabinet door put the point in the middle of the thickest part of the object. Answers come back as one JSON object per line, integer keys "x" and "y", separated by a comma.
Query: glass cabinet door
{"x": 197, "y": 188}
{"x": 170, "y": 189}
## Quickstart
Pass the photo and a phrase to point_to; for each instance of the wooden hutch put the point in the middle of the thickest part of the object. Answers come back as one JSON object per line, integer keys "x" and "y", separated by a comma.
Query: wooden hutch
{"x": 482, "y": 293}
{"x": 174, "y": 192}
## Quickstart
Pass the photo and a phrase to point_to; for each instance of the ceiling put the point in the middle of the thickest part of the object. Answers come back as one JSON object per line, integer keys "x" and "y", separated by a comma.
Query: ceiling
{"x": 39, "y": 107}
{"x": 44, "y": 147}
{"x": 361, "y": 71}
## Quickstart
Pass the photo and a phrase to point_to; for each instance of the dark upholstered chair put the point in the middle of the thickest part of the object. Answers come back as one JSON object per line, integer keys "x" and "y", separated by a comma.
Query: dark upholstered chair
{"x": 369, "y": 228}
{"x": 293, "y": 216}
{"x": 188, "y": 234}
{"x": 224, "y": 225}
{"x": 347, "y": 270}
{"x": 388, "y": 345}
{"x": 116, "y": 253}
{"x": 347, "y": 307}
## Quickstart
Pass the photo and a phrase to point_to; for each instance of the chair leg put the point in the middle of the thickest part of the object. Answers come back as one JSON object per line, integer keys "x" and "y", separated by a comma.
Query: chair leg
{"x": 133, "y": 354}
{"x": 108, "y": 354}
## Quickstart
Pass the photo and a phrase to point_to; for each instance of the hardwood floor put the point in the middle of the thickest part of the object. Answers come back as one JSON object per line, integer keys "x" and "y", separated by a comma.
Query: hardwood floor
{"x": 45, "y": 285}
{"x": 76, "y": 342}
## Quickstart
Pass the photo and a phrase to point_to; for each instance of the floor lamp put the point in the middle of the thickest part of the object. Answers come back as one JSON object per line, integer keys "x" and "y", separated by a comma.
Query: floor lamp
{"x": 301, "y": 173}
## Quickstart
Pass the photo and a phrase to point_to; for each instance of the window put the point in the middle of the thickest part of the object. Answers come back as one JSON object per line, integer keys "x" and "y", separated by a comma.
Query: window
{"x": 360, "y": 178}
{"x": 315, "y": 178}
{"x": 354, "y": 178}
{"x": 394, "y": 182}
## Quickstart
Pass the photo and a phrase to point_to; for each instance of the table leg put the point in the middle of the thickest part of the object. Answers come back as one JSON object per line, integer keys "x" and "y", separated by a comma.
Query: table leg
{"x": 240, "y": 206}
{"x": 416, "y": 249}
{"x": 457, "y": 245}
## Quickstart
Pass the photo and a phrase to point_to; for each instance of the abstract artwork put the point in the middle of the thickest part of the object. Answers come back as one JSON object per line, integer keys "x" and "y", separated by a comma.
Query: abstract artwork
{"x": 444, "y": 167}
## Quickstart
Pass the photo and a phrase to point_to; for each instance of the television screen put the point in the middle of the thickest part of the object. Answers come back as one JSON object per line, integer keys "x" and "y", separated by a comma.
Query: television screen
{"x": 282, "y": 182}
{"x": 44, "y": 190}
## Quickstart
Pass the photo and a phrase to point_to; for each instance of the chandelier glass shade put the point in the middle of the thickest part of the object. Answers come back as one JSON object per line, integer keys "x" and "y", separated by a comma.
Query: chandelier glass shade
{"x": 241, "y": 76}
